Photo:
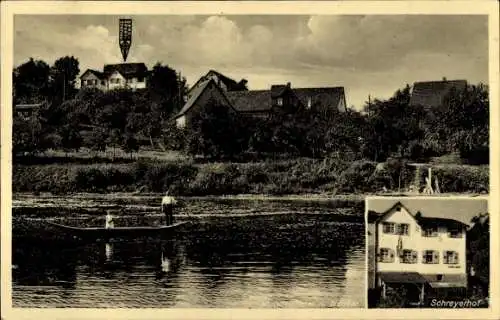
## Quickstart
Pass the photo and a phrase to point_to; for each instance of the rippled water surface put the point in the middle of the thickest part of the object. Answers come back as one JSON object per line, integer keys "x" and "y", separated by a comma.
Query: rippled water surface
{"x": 240, "y": 254}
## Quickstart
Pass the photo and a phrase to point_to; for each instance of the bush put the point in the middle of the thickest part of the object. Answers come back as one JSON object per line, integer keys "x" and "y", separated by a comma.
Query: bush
{"x": 356, "y": 178}
{"x": 459, "y": 178}
{"x": 93, "y": 180}
{"x": 159, "y": 176}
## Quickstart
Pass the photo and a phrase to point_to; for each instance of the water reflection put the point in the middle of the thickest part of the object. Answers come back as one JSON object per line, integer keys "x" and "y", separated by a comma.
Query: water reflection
{"x": 226, "y": 263}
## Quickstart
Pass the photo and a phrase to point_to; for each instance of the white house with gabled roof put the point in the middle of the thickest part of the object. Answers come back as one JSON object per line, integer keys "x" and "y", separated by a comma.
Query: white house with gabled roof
{"x": 414, "y": 249}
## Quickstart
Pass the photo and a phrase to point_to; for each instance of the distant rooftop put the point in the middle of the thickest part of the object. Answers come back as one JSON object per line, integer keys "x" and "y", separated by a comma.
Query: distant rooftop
{"x": 432, "y": 93}
{"x": 127, "y": 69}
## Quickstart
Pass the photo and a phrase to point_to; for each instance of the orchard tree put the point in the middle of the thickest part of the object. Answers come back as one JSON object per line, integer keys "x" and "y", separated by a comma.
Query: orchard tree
{"x": 215, "y": 132}
{"x": 31, "y": 82}
{"x": 63, "y": 74}
{"x": 167, "y": 89}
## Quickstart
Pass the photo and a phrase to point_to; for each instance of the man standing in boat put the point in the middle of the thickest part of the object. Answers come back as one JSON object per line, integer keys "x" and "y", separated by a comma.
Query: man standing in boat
{"x": 167, "y": 205}
{"x": 110, "y": 223}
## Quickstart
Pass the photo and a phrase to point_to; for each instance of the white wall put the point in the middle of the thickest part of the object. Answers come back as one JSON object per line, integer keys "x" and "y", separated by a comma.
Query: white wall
{"x": 90, "y": 76}
{"x": 116, "y": 76}
{"x": 133, "y": 83}
{"x": 415, "y": 241}
{"x": 181, "y": 122}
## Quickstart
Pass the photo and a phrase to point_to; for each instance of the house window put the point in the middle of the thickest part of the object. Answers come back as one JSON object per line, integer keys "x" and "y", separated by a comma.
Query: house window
{"x": 140, "y": 79}
{"x": 455, "y": 233}
{"x": 430, "y": 257}
{"x": 409, "y": 256}
{"x": 450, "y": 257}
{"x": 279, "y": 101}
{"x": 102, "y": 82}
{"x": 388, "y": 227}
{"x": 430, "y": 231}
{"x": 403, "y": 229}
{"x": 386, "y": 255}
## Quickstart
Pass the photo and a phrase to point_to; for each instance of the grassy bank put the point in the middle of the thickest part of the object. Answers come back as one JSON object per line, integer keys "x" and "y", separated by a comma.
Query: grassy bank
{"x": 185, "y": 178}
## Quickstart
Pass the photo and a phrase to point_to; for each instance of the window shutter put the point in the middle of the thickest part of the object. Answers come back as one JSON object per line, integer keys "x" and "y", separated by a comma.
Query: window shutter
{"x": 456, "y": 257}
{"x": 379, "y": 256}
{"x": 391, "y": 254}
{"x": 435, "y": 256}
{"x": 414, "y": 256}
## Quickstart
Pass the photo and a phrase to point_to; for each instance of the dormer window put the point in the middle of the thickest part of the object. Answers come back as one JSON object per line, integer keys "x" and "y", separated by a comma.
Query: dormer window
{"x": 279, "y": 102}
{"x": 455, "y": 233}
{"x": 430, "y": 232}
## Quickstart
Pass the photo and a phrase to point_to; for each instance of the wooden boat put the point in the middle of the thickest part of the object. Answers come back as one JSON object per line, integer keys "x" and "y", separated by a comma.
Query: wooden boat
{"x": 117, "y": 232}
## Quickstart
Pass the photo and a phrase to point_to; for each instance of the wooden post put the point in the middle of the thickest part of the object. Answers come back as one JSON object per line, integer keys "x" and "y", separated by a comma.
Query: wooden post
{"x": 422, "y": 294}
{"x": 383, "y": 290}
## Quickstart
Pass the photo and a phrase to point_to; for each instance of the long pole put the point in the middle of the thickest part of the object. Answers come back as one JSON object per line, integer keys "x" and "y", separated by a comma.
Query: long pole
{"x": 64, "y": 86}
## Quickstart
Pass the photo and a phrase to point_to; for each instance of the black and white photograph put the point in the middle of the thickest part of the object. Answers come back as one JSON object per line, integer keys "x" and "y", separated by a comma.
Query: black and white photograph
{"x": 428, "y": 253}
{"x": 223, "y": 160}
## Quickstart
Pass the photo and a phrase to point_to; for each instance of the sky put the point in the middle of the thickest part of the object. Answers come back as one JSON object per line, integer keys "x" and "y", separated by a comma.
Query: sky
{"x": 461, "y": 209}
{"x": 368, "y": 55}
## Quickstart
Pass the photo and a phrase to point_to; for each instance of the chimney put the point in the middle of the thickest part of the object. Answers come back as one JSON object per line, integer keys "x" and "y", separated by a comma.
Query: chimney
{"x": 288, "y": 84}
{"x": 444, "y": 78}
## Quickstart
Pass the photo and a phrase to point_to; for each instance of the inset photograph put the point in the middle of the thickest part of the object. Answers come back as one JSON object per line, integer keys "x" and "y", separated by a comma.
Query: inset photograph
{"x": 428, "y": 252}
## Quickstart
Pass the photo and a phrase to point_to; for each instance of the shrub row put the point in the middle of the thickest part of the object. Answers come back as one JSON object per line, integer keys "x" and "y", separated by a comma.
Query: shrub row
{"x": 295, "y": 176}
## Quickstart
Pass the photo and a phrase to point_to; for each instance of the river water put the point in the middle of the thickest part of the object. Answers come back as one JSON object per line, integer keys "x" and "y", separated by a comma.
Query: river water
{"x": 233, "y": 254}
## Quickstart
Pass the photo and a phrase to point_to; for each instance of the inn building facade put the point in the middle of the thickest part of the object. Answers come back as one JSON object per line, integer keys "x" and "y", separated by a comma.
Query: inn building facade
{"x": 419, "y": 252}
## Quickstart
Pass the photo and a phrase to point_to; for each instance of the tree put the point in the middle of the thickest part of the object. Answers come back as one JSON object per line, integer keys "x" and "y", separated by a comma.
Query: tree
{"x": 166, "y": 88}
{"x": 478, "y": 249}
{"x": 26, "y": 138}
{"x": 71, "y": 140}
{"x": 215, "y": 132}
{"x": 63, "y": 74}
{"x": 98, "y": 139}
{"x": 129, "y": 143}
{"x": 467, "y": 118}
{"x": 115, "y": 140}
{"x": 31, "y": 82}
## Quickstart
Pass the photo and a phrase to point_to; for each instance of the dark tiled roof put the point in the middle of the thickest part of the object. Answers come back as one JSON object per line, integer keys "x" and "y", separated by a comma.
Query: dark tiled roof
{"x": 250, "y": 101}
{"x": 226, "y": 80}
{"x": 261, "y": 100}
{"x": 435, "y": 221}
{"x": 402, "y": 277}
{"x": 434, "y": 217}
{"x": 231, "y": 84}
{"x": 447, "y": 280}
{"x": 278, "y": 90}
{"x": 194, "y": 95}
{"x": 326, "y": 97}
{"x": 373, "y": 216}
{"x": 432, "y": 93}
{"x": 98, "y": 74}
{"x": 127, "y": 69}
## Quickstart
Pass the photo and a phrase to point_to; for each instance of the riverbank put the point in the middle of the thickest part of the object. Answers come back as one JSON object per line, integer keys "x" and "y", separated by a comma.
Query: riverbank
{"x": 270, "y": 178}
